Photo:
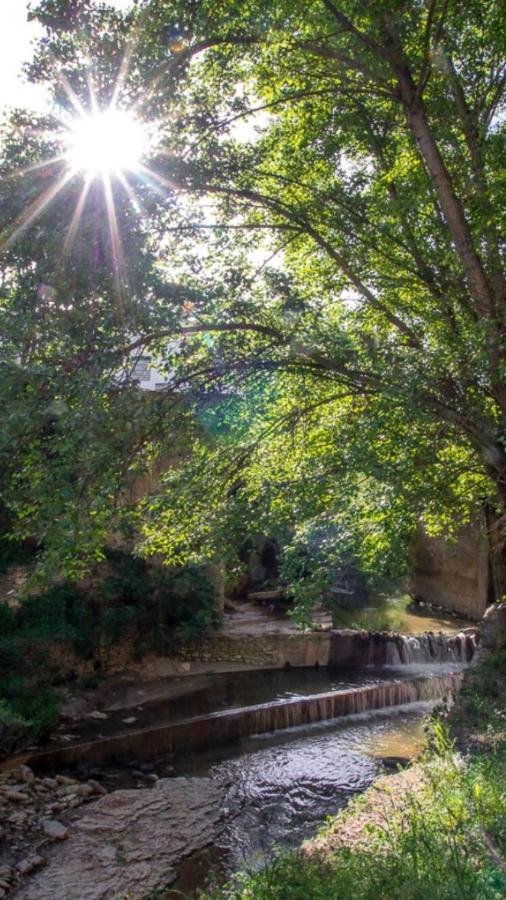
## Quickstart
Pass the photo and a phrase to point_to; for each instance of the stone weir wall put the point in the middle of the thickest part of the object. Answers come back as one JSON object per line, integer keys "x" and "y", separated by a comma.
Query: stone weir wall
{"x": 345, "y": 647}
{"x": 207, "y": 731}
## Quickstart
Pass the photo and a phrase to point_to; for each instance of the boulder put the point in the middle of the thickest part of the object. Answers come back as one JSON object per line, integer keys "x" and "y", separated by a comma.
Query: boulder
{"x": 493, "y": 627}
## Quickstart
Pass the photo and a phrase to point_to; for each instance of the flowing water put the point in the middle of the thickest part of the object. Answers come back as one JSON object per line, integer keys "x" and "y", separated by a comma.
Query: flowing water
{"x": 281, "y": 787}
{"x": 289, "y": 747}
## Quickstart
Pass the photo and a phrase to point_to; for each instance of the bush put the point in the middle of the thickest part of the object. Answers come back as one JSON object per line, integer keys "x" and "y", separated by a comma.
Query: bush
{"x": 162, "y": 608}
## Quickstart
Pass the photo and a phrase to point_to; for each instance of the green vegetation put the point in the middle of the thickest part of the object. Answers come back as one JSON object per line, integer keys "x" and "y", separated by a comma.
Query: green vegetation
{"x": 445, "y": 839}
{"x": 347, "y": 377}
{"x": 155, "y": 608}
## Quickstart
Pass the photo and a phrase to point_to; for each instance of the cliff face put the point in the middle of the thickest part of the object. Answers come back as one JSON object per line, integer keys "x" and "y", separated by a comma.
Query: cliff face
{"x": 453, "y": 574}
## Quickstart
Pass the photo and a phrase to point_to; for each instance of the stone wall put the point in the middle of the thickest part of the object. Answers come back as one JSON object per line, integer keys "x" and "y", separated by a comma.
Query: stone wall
{"x": 453, "y": 574}
{"x": 267, "y": 651}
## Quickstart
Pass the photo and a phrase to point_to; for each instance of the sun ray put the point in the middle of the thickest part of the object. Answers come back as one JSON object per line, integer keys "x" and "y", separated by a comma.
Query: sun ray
{"x": 122, "y": 74}
{"x": 71, "y": 94}
{"x": 134, "y": 200}
{"x": 116, "y": 246}
{"x": 35, "y": 167}
{"x": 76, "y": 218}
{"x": 152, "y": 175}
{"x": 36, "y": 209}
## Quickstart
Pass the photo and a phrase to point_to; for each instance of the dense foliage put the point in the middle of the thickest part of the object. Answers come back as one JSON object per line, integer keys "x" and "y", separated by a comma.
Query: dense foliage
{"x": 44, "y": 641}
{"x": 324, "y": 284}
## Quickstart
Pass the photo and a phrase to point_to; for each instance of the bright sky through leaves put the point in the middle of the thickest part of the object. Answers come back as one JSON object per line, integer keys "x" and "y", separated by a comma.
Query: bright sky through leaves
{"x": 16, "y": 37}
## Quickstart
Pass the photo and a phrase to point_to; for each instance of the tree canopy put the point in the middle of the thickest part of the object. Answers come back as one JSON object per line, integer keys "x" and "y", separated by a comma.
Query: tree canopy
{"x": 314, "y": 247}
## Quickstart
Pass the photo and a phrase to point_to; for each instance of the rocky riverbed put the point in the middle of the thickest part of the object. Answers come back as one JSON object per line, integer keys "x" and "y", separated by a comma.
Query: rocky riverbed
{"x": 34, "y": 813}
{"x": 127, "y": 841}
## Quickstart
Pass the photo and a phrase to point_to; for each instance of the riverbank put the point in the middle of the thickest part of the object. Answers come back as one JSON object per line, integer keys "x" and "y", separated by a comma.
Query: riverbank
{"x": 435, "y": 830}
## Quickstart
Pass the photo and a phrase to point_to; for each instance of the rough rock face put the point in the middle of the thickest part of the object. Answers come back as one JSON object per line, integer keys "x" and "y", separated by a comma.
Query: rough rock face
{"x": 129, "y": 842}
{"x": 493, "y": 627}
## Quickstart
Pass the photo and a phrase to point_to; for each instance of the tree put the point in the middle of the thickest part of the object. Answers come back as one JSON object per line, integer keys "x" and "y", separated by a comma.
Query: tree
{"x": 375, "y": 183}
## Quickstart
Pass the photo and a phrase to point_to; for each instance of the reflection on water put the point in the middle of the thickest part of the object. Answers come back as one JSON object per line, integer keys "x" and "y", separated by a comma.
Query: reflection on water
{"x": 230, "y": 690}
{"x": 280, "y": 787}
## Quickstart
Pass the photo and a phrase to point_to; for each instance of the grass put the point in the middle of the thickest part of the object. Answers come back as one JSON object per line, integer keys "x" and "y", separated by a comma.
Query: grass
{"x": 444, "y": 839}
{"x": 384, "y": 614}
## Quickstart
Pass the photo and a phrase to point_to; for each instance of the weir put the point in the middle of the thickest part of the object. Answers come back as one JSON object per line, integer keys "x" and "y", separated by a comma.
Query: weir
{"x": 385, "y": 648}
{"x": 202, "y": 732}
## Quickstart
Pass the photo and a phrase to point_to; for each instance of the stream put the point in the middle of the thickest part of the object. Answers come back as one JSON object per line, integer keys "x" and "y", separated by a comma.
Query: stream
{"x": 275, "y": 752}
{"x": 281, "y": 787}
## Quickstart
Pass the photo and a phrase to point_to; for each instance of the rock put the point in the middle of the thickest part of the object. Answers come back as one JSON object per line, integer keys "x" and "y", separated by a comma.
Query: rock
{"x": 493, "y": 627}
{"x": 130, "y": 720}
{"x": 54, "y": 829}
{"x": 97, "y": 787}
{"x": 30, "y": 864}
{"x": 74, "y": 708}
{"x": 393, "y": 763}
{"x": 64, "y": 779}
{"x": 16, "y": 796}
{"x": 26, "y": 774}
{"x": 50, "y": 783}
{"x": 152, "y": 777}
{"x": 130, "y": 842}
{"x": 85, "y": 790}
{"x": 96, "y": 714}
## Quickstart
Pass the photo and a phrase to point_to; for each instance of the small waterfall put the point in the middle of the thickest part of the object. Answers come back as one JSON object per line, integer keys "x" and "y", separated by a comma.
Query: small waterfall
{"x": 433, "y": 648}
{"x": 386, "y": 648}
{"x": 222, "y": 727}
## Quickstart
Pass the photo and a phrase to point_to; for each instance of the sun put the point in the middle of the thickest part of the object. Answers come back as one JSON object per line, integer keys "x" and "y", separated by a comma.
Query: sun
{"x": 103, "y": 143}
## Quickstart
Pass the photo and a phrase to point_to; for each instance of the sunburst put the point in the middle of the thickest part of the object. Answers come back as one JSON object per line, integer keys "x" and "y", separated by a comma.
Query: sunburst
{"x": 105, "y": 144}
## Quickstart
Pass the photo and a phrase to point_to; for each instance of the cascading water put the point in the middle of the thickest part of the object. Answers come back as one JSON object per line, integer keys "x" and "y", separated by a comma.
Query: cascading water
{"x": 202, "y": 732}
{"x": 425, "y": 649}
{"x": 385, "y": 648}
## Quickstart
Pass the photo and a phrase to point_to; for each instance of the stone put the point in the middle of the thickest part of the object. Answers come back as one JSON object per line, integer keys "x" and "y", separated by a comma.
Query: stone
{"x": 64, "y": 779}
{"x": 493, "y": 627}
{"x": 85, "y": 790}
{"x": 130, "y": 720}
{"x": 16, "y": 796}
{"x": 50, "y": 783}
{"x": 97, "y": 787}
{"x": 54, "y": 829}
{"x": 74, "y": 708}
{"x": 7, "y": 873}
{"x": 26, "y": 774}
{"x": 30, "y": 864}
{"x": 96, "y": 714}
{"x": 130, "y": 842}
